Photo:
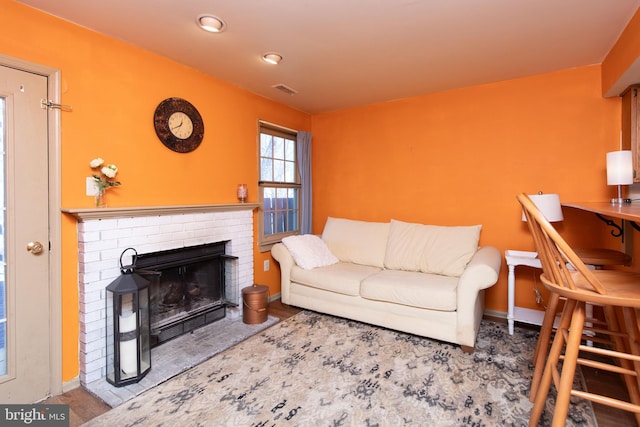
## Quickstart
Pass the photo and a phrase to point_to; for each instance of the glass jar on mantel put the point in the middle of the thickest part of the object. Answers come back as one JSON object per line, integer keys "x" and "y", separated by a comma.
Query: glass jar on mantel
{"x": 243, "y": 192}
{"x": 100, "y": 198}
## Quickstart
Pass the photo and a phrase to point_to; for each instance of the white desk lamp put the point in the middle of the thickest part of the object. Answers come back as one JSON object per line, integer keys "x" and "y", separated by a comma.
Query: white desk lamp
{"x": 619, "y": 172}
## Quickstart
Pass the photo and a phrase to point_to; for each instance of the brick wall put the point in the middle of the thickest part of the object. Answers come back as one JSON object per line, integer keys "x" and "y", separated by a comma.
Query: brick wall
{"x": 102, "y": 241}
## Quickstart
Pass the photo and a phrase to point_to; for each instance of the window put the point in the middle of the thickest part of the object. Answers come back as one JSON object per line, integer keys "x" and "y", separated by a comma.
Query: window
{"x": 279, "y": 185}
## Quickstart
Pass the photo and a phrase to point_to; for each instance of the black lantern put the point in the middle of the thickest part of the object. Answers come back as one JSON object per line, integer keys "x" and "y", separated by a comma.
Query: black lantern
{"x": 128, "y": 349}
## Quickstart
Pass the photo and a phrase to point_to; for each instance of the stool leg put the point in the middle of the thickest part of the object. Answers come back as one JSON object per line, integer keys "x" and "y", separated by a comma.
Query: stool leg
{"x": 631, "y": 327}
{"x": 569, "y": 366}
{"x": 544, "y": 340}
{"x": 620, "y": 319}
{"x": 589, "y": 315}
{"x": 623, "y": 320}
{"x": 552, "y": 362}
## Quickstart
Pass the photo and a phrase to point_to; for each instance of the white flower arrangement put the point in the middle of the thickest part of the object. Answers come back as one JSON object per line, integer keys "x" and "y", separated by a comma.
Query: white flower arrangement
{"x": 105, "y": 178}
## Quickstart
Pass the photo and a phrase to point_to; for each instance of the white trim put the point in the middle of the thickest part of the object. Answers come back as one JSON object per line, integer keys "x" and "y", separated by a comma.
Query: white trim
{"x": 71, "y": 385}
{"x": 274, "y": 297}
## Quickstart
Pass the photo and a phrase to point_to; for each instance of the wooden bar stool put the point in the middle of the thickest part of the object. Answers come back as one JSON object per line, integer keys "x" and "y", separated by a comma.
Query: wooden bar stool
{"x": 566, "y": 276}
{"x": 597, "y": 259}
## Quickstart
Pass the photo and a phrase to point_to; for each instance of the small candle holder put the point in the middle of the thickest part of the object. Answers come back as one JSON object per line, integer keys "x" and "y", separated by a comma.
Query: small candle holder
{"x": 242, "y": 193}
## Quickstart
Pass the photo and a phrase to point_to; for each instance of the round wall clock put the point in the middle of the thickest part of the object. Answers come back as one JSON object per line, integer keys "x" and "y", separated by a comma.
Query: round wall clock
{"x": 178, "y": 124}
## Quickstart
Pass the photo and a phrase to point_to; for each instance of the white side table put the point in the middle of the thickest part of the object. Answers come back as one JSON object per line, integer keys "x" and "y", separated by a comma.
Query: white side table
{"x": 515, "y": 258}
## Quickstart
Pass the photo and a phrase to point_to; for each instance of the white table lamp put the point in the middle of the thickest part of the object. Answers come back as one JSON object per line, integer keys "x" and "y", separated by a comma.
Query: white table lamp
{"x": 549, "y": 205}
{"x": 619, "y": 171}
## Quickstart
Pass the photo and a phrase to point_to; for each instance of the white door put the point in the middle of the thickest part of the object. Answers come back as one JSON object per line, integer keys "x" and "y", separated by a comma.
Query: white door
{"x": 25, "y": 332}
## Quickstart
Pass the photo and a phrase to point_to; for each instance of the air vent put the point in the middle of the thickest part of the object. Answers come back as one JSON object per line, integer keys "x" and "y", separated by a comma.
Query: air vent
{"x": 284, "y": 88}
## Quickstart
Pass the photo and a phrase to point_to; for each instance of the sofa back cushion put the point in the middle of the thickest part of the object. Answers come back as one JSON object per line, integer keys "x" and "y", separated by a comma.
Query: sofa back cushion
{"x": 359, "y": 242}
{"x": 431, "y": 248}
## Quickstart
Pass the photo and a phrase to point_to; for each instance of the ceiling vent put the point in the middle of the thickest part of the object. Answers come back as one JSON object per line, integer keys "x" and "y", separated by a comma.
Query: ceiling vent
{"x": 284, "y": 88}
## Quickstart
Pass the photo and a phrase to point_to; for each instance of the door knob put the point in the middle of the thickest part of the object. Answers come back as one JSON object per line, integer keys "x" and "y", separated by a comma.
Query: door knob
{"x": 34, "y": 247}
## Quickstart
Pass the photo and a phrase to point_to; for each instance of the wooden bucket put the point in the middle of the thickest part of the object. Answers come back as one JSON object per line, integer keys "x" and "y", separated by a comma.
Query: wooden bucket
{"x": 255, "y": 299}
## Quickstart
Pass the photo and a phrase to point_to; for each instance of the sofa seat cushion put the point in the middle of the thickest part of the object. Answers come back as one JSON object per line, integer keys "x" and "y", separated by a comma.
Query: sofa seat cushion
{"x": 343, "y": 277}
{"x": 415, "y": 289}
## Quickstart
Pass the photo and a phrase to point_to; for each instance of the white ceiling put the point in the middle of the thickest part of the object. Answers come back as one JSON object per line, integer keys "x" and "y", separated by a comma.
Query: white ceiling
{"x": 345, "y": 53}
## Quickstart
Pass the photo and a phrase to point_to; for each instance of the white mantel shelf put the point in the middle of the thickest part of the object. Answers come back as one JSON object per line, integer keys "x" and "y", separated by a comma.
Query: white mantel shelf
{"x": 87, "y": 214}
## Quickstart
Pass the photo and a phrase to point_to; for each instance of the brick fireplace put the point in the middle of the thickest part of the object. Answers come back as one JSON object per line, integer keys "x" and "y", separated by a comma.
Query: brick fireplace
{"x": 103, "y": 234}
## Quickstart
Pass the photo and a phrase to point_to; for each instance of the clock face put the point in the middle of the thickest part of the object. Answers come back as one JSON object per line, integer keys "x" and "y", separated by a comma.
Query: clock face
{"x": 178, "y": 125}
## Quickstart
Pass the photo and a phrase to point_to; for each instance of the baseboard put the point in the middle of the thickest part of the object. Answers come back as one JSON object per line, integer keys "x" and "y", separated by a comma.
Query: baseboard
{"x": 494, "y": 314}
{"x": 70, "y": 385}
{"x": 274, "y": 297}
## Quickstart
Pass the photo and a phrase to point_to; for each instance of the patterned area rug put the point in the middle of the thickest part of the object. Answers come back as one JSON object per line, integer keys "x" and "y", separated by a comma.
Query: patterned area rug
{"x": 314, "y": 370}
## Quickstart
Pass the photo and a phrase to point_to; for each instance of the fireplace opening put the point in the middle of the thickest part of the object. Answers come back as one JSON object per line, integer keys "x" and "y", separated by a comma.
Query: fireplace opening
{"x": 187, "y": 288}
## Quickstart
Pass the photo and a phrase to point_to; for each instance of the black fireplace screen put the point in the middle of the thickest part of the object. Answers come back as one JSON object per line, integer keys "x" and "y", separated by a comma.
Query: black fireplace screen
{"x": 188, "y": 288}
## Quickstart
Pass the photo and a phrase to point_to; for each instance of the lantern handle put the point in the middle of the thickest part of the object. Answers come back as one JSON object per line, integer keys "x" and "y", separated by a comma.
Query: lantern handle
{"x": 129, "y": 268}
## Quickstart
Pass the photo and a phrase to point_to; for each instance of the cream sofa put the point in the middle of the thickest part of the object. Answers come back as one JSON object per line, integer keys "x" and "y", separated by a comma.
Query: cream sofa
{"x": 421, "y": 279}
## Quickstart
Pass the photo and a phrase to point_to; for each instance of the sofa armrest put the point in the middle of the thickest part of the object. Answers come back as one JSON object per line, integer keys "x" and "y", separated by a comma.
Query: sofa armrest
{"x": 482, "y": 271}
{"x": 280, "y": 253}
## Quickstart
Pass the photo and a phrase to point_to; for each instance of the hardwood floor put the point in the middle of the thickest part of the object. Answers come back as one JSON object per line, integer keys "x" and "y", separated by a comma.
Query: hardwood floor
{"x": 83, "y": 406}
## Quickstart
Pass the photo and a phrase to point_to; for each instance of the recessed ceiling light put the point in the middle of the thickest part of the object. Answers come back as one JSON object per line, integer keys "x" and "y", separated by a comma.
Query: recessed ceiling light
{"x": 272, "y": 58}
{"x": 211, "y": 23}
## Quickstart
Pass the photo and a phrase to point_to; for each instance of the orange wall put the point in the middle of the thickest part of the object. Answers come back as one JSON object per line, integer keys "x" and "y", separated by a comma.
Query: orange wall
{"x": 456, "y": 157}
{"x": 114, "y": 89}
{"x": 461, "y": 157}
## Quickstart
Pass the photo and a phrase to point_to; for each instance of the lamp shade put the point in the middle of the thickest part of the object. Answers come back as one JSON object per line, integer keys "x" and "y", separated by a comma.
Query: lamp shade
{"x": 549, "y": 205}
{"x": 620, "y": 168}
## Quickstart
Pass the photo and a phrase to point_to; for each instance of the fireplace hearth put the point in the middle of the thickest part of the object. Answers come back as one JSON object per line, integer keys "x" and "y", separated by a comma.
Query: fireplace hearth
{"x": 187, "y": 288}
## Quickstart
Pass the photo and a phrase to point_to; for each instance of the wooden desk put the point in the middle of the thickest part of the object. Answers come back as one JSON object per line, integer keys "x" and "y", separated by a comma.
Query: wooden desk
{"x": 628, "y": 211}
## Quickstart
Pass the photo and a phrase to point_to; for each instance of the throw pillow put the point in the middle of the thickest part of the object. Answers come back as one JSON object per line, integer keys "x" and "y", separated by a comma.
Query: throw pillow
{"x": 309, "y": 251}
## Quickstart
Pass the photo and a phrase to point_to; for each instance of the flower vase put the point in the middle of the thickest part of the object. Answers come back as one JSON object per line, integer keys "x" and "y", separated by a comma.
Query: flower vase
{"x": 101, "y": 201}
